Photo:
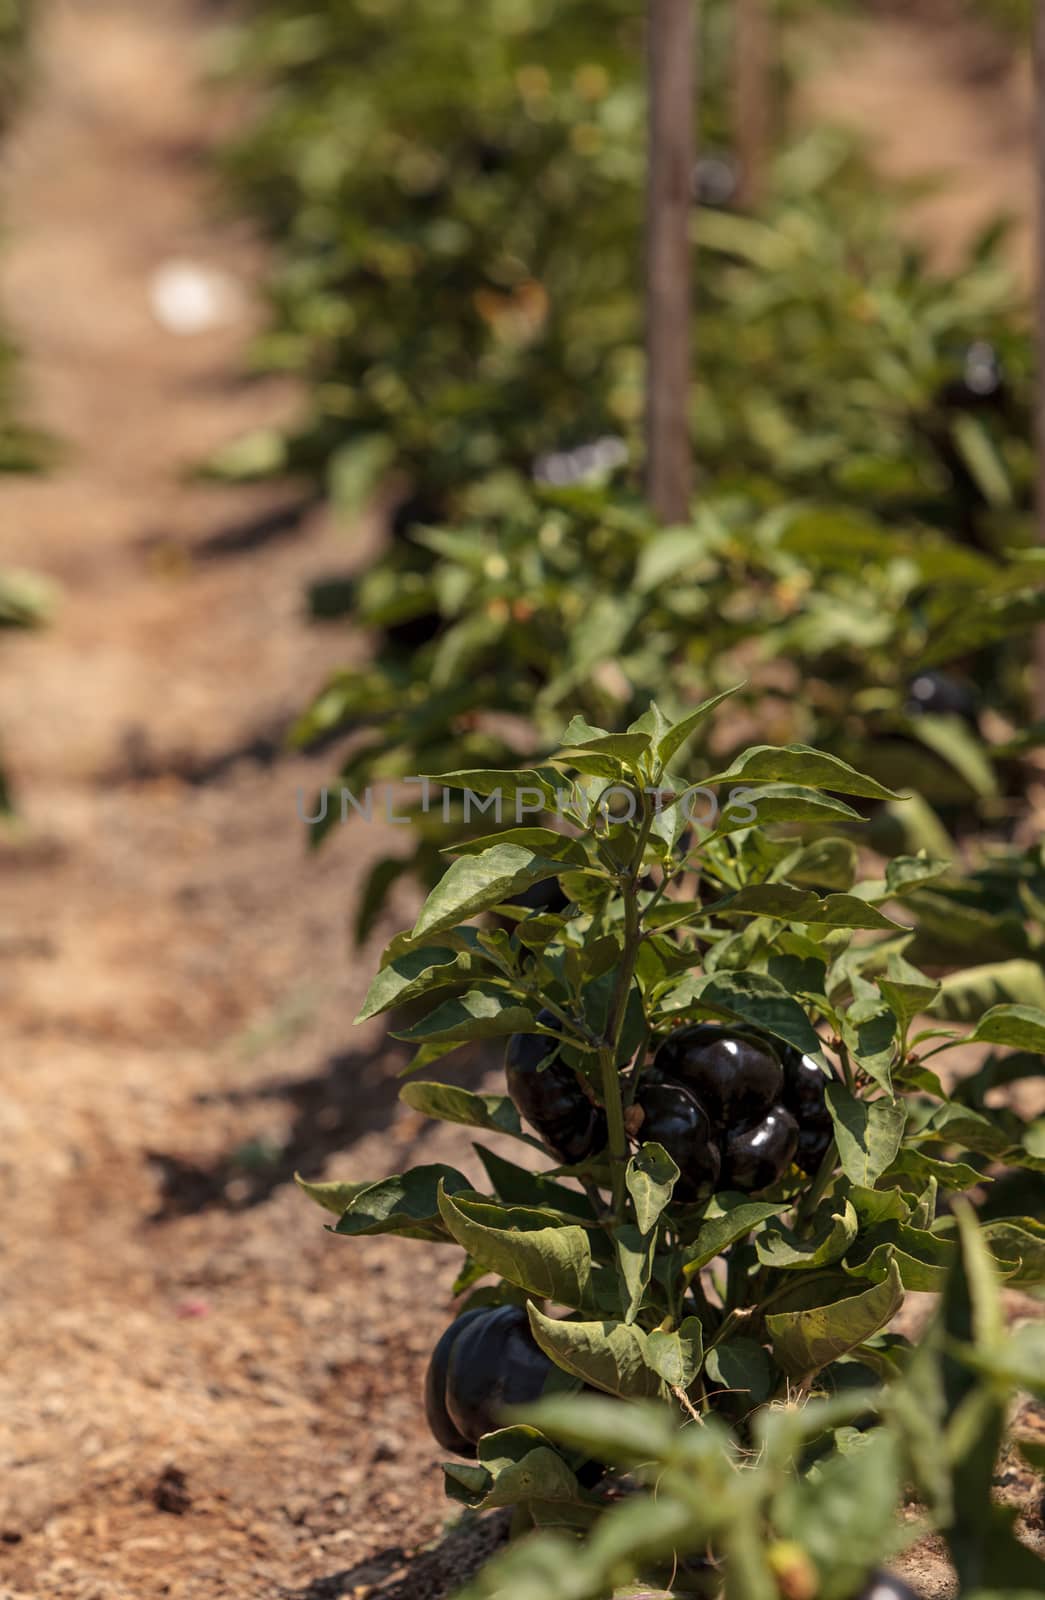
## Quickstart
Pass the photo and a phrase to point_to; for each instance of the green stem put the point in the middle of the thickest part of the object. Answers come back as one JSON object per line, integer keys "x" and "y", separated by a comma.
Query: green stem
{"x": 820, "y": 1185}
{"x": 610, "y": 1049}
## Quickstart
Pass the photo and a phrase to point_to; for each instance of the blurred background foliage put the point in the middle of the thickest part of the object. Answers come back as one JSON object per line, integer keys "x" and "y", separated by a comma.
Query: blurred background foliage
{"x": 456, "y": 205}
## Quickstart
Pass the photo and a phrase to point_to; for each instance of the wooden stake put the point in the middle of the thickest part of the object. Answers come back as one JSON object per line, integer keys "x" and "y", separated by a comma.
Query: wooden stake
{"x": 1038, "y": 678}
{"x": 672, "y": 96}
{"x": 752, "y": 112}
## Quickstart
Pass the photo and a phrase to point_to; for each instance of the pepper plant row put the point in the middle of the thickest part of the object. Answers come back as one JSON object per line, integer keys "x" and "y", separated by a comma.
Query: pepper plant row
{"x": 752, "y": 1150}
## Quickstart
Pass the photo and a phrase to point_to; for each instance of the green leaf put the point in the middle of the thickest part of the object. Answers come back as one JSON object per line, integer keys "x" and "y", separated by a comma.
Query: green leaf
{"x": 806, "y": 1341}
{"x": 635, "y": 1261}
{"x": 677, "y": 1357}
{"x": 447, "y": 1103}
{"x": 904, "y": 873}
{"x": 551, "y": 1263}
{"x": 543, "y": 841}
{"x": 954, "y": 742}
{"x": 913, "y": 1167}
{"x": 610, "y": 1356}
{"x": 408, "y": 1206}
{"x": 868, "y": 1133}
{"x": 475, "y": 1015}
{"x": 1018, "y": 1240}
{"x": 966, "y": 996}
{"x": 415, "y": 973}
{"x": 355, "y": 472}
{"x": 923, "y": 1259}
{"x": 844, "y": 1513}
{"x": 788, "y": 904}
{"x": 616, "y": 1434}
{"x": 1021, "y": 1027}
{"x": 508, "y": 784}
{"x": 750, "y": 997}
{"x": 333, "y": 1197}
{"x": 737, "y": 1217}
{"x": 799, "y": 764}
{"x": 742, "y": 1365}
{"x": 651, "y": 1177}
{"x": 907, "y": 1000}
{"x": 476, "y": 883}
{"x": 779, "y": 1247}
{"x": 784, "y": 802}
{"x": 516, "y": 1186}
{"x": 677, "y": 735}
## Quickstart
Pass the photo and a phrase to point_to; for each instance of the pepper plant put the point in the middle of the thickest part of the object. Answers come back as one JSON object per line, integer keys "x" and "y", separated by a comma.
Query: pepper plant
{"x": 542, "y": 599}
{"x": 818, "y": 1508}
{"x": 736, "y": 1081}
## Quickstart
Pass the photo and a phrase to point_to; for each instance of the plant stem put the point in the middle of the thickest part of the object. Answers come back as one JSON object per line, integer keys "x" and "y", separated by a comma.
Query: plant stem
{"x": 610, "y": 1049}
{"x": 821, "y": 1183}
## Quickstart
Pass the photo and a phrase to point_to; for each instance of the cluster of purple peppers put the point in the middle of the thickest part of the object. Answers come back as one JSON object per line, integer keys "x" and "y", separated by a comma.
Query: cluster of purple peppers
{"x": 731, "y": 1107}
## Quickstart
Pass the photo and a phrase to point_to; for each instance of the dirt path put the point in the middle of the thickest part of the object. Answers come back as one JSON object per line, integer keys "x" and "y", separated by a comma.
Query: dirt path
{"x": 939, "y": 98}
{"x": 192, "y": 1401}
{"x": 201, "y": 1395}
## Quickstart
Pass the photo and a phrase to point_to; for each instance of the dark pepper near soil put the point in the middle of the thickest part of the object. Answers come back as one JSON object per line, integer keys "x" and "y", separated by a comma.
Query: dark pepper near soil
{"x": 550, "y": 1097}
{"x": 486, "y": 1361}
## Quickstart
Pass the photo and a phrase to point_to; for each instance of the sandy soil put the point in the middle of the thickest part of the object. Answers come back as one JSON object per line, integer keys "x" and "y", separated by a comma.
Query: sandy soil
{"x": 194, "y": 1402}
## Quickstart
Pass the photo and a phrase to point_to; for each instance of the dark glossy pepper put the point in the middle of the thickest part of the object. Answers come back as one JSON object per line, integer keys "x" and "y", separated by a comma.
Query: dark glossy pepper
{"x": 495, "y": 1362}
{"x": 435, "y": 1389}
{"x": 759, "y": 1154}
{"x": 940, "y": 694}
{"x": 674, "y": 1118}
{"x": 805, "y": 1096}
{"x": 736, "y": 1075}
{"x": 550, "y": 1097}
